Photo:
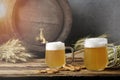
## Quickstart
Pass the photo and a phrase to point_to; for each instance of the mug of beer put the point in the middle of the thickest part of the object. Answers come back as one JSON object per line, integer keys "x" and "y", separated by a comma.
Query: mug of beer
{"x": 96, "y": 56}
{"x": 55, "y": 54}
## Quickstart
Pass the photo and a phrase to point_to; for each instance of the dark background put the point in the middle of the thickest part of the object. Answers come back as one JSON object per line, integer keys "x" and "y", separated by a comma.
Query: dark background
{"x": 95, "y": 17}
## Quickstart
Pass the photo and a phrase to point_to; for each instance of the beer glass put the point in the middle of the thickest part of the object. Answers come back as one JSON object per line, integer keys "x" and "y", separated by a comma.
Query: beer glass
{"x": 55, "y": 54}
{"x": 96, "y": 56}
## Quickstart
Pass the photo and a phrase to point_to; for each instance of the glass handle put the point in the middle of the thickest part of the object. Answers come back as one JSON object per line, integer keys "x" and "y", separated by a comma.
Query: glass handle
{"x": 115, "y": 56}
{"x": 72, "y": 51}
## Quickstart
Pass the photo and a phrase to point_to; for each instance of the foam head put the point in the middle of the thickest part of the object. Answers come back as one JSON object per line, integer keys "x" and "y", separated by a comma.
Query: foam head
{"x": 55, "y": 46}
{"x": 95, "y": 42}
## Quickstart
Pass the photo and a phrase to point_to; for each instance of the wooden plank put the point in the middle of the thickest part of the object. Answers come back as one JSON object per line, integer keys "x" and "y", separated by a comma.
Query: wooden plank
{"x": 35, "y": 73}
{"x": 31, "y": 69}
{"x": 34, "y": 63}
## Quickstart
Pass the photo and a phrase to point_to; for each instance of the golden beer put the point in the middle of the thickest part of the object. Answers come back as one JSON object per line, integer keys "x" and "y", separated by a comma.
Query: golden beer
{"x": 95, "y": 56}
{"x": 55, "y": 54}
{"x": 55, "y": 58}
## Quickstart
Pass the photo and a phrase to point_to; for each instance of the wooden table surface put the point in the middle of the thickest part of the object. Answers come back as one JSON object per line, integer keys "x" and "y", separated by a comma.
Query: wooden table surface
{"x": 31, "y": 69}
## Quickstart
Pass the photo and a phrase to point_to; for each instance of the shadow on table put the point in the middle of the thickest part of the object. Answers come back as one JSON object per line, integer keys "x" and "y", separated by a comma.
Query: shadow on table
{"x": 64, "y": 78}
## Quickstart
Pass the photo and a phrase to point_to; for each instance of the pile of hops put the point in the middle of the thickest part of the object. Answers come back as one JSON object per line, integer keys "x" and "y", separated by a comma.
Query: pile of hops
{"x": 13, "y": 51}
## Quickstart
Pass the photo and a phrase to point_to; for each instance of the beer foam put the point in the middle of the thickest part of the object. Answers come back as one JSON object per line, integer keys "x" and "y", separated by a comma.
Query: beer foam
{"x": 55, "y": 46}
{"x": 95, "y": 42}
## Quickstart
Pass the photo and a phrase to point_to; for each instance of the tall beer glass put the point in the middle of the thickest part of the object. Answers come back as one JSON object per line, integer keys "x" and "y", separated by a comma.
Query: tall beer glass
{"x": 96, "y": 56}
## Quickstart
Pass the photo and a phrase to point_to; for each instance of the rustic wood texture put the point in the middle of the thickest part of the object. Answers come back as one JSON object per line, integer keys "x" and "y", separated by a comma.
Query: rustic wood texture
{"x": 31, "y": 69}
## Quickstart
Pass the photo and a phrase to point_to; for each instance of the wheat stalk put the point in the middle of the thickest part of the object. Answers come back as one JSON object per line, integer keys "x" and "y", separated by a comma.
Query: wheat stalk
{"x": 13, "y": 51}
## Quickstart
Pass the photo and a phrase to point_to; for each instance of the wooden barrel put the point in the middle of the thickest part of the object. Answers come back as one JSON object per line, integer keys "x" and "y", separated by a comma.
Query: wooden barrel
{"x": 54, "y": 16}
